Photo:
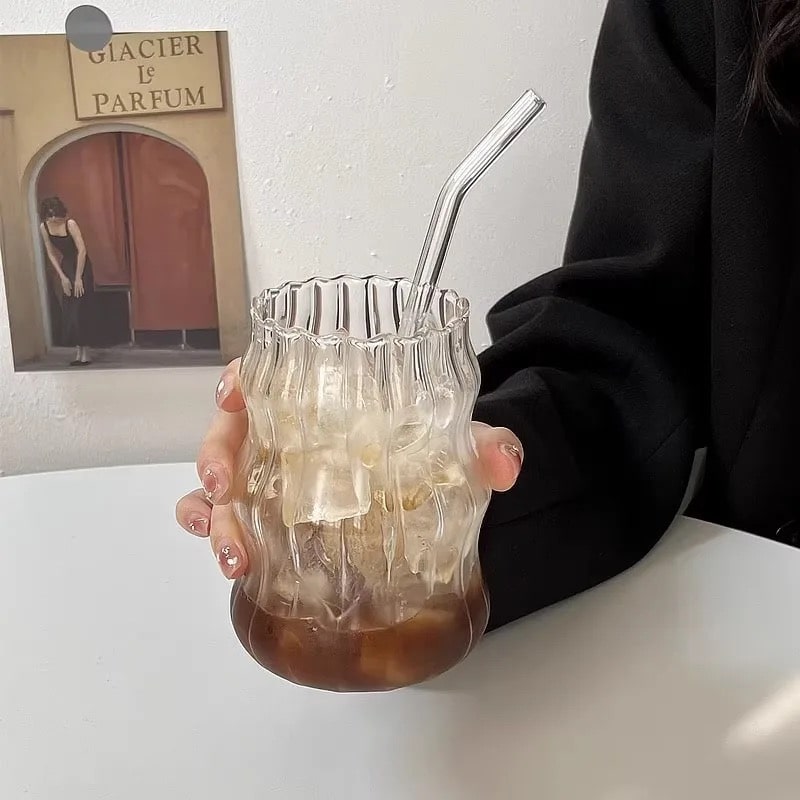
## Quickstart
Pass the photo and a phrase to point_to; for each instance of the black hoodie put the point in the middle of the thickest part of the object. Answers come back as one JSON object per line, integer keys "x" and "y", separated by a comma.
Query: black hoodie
{"x": 673, "y": 324}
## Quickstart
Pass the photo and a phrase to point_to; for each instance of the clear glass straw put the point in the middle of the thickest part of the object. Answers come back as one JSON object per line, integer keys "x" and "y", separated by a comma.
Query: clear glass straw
{"x": 440, "y": 230}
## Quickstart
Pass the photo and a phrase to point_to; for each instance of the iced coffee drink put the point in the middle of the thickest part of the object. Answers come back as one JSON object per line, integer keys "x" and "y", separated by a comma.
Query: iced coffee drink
{"x": 358, "y": 488}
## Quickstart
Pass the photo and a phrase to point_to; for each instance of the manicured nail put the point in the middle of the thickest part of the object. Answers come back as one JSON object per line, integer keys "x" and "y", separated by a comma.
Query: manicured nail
{"x": 214, "y": 484}
{"x": 230, "y": 560}
{"x": 224, "y": 388}
{"x": 199, "y": 526}
{"x": 513, "y": 452}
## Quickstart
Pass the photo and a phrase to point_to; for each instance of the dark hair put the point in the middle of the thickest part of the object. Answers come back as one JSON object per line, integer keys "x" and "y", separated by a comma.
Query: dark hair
{"x": 775, "y": 61}
{"x": 52, "y": 207}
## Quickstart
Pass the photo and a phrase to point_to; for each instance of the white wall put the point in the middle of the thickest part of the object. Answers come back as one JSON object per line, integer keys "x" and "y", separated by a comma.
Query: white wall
{"x": 350, "y": 115}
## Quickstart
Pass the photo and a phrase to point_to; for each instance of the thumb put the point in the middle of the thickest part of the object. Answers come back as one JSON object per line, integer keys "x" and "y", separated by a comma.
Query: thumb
{"x": 499, "y": 455}
{"x": 229, "y": 390}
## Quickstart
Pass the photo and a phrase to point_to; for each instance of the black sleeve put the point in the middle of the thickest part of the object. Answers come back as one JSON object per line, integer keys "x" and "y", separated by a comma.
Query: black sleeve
{"x": 595, "y": 366}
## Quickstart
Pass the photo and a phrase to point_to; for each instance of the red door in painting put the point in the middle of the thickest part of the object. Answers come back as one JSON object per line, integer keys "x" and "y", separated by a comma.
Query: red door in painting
{"x": 143, "y": 207}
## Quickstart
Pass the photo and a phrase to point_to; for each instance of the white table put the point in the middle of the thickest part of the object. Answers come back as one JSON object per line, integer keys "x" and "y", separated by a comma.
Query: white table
{"x": 121, "y": 678}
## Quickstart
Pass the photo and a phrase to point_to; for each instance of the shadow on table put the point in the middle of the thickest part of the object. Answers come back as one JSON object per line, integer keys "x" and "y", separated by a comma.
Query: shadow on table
{"x": 665, "y": 683}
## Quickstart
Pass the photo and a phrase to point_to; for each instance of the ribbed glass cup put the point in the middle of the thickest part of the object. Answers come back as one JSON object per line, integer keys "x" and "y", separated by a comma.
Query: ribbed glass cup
{"x": 359, "y": 487}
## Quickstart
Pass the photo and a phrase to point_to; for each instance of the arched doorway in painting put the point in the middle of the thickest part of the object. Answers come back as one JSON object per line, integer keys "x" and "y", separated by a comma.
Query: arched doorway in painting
{"x": 143, "y": 208}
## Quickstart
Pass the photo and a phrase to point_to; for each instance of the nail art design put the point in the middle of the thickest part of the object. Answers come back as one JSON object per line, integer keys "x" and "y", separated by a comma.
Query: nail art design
{"x": 211, "y": 485}
{"x": 229, "y": 559}
{"x": 512, "y": 451}
{"x": 199, "y": 526}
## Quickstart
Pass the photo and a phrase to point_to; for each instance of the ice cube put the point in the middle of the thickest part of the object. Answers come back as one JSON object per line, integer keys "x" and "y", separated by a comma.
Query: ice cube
{"x": 411, "y": 431}
{"x": 415, "y": 496}
{"x": 310, "y": 584}
{"x": 315, "y": 587}
{"x": 288, "y": 433}
{"x": 343, "y": 558}
{"x": 410, "y": 478}
{"x": 448, "y": 562}
{"x": 366, "y": 546}
{"x": 366, "y": 437}
{"x": 383, "y": 663}
{"x": 383, "y": 499}
{"x": 286, "y": 585}
{"x": 434, "y": 544}
{"x": 370, "y": 454}
{"x": 328, "y": 395}
{"x": 446, "y": 469}
{"x": 354, "y": 550}
{"x": 322, "y": 484}
{"x": 419, "y": 526}
{"x": 362, "y": 388}
{"x": 445, "y": 402}
{"x": 399, "y": 601}
{"x": 410, "y": 657}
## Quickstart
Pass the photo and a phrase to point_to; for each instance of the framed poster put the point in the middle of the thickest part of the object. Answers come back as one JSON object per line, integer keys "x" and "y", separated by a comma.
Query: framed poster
{"x": 122, "y": 236}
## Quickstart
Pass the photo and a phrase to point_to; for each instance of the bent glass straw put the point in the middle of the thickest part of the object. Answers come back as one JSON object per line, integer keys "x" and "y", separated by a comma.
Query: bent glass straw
{"x": 440, "y": 230}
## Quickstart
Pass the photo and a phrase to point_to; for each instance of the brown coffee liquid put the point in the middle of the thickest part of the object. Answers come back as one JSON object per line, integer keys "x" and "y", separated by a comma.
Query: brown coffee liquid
{"x": 370, "y": 659}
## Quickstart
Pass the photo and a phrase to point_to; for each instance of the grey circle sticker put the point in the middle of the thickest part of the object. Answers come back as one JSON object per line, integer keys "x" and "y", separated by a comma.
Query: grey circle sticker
{"x": 88, "y": 28}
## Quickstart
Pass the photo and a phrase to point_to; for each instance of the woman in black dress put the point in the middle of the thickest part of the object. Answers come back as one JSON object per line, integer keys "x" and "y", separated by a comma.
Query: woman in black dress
{"x": 66, "y": 251}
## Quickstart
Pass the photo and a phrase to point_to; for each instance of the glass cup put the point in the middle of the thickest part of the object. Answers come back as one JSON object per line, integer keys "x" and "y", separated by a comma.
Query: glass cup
{"x": 359, "y": 487}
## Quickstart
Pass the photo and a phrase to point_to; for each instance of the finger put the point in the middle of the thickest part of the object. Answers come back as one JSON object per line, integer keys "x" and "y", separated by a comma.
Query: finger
{"x": 227, "y": 541}
{"x": 229, "y": 392}
{"x": 215, "y": 462}
{"x": 499, "y": 454}
{"x": 193, "y": 513}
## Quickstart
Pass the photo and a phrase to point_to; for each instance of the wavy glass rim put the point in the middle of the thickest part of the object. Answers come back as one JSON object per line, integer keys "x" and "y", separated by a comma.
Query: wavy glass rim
{"x": 459, "y": 321}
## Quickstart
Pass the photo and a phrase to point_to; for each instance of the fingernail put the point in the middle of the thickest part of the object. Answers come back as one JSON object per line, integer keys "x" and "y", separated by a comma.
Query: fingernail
{"x": 513, "y": 452}
{"x": 223, "y": 390}
{"x": 214, "y": 484}
{"x": 199, "y": 526}
{"x": 229, "y": 559}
